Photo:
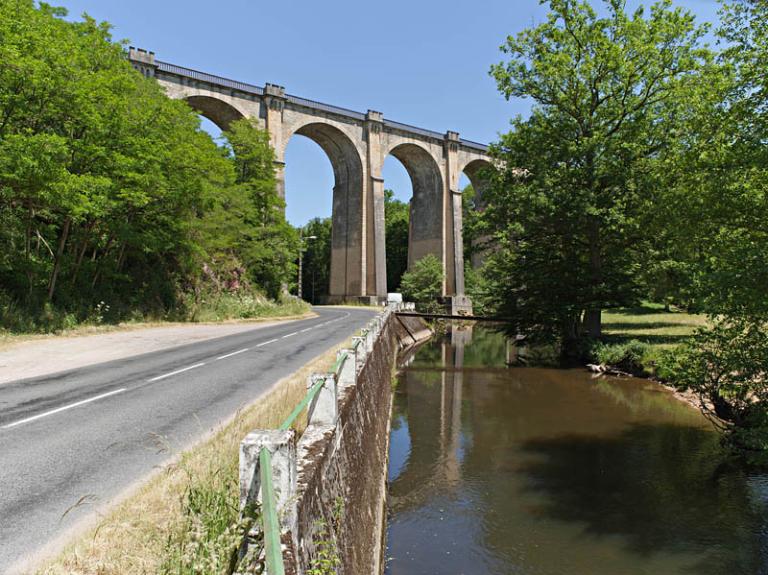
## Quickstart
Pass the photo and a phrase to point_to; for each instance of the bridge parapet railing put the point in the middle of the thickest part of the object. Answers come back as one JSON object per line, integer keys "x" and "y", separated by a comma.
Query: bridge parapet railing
{"x": 209, "y": 78}
{"x": 269, "y": 460}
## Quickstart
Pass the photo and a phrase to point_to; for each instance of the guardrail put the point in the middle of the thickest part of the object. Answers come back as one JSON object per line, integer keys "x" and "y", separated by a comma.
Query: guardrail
{"x": 261, "y": 449}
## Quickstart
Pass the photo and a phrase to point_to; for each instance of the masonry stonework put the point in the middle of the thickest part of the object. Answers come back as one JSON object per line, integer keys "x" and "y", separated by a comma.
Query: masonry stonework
{"x": 357, "y": 145}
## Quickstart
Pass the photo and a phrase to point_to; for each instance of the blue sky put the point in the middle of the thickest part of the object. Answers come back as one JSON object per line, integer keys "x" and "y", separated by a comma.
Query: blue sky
{"x": 422, "y": 62}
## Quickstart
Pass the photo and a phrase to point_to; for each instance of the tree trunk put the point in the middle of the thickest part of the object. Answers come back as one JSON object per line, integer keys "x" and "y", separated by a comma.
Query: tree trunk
{"x": 593, "y": 323}
{"x": 121, "y": 258}
{"x": 81, "y": 253}
{"x": 57, "y": 262}
{"x": 101, "y": 261}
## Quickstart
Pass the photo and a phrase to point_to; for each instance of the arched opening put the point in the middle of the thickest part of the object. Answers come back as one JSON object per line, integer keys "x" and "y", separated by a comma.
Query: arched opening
{"x": 398, "y": 192}
{"x": 425, "y": 234}
{"x": 308, "y": 206}
{"x": 474, "y": 185}
{"x": 346, "y": 207}
{"x": 214, "y": 131}
{"x": 215, "y": 110}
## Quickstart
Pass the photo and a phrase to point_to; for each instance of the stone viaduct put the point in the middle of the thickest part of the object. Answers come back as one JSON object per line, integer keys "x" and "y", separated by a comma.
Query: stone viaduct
{"x": 357, "y": 145}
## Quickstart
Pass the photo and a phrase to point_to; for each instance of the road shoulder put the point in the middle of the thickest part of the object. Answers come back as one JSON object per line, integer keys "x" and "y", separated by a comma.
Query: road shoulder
{"x": 44, "y": 356}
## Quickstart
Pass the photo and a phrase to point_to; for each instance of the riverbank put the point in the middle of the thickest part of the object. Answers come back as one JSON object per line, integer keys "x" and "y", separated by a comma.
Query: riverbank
{"x": 637, "y": 338}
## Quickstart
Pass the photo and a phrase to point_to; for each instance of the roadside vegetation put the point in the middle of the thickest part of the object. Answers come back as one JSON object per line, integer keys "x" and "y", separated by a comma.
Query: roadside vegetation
{"x": 114, "y": 204}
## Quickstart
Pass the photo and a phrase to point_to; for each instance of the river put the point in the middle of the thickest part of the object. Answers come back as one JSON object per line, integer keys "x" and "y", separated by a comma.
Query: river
{"x": 537, "y": 471}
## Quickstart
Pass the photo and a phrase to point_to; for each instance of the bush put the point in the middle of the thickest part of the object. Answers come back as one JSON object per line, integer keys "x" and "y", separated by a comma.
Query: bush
{"x": 727, "y": 366}
{"x": 631, "y": 356}
{"x": 249, "y": 305}
{"x": 423, "y": 284}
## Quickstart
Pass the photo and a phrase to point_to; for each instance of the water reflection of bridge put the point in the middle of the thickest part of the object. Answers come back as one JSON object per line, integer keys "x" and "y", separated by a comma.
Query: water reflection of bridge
{"x": 437, "y": 445}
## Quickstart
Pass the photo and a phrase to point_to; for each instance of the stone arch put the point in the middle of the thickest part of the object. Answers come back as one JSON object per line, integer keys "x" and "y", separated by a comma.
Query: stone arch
{"x": 346, "y": 276}
{"x": 477, "y": 172}
{"x": 217, "y": 111}
{"x": 426, "y": 221}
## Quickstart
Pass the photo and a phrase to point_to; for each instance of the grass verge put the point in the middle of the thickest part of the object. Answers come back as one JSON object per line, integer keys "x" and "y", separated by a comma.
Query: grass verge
{"x": 635, "y": 338}
{"x": 273, "y": 311}
{"x": 184, "y": 519}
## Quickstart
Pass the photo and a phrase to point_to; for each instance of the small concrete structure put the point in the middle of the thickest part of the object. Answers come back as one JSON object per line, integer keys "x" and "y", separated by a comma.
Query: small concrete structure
{"x": 282, "y": 446}
{"x": 356, "y": 144}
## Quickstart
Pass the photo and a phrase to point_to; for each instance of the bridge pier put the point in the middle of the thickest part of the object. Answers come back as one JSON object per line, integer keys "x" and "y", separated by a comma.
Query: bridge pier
{"x": 357, "y": 145}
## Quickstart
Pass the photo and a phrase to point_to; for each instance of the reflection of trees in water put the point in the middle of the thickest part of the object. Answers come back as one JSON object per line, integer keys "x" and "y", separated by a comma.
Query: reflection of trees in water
{"x": 643, "y": 397}
{"x": 662, "y": 488}
{"x": 595, "y": 466}
{"x": 488, "y": 348}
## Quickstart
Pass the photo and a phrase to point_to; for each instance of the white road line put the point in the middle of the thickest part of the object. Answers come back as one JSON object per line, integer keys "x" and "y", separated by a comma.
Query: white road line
{"x": 306, "y": 330}
{"x": 178, "y": 371}
{"x": 231, "y": 354}
{"x": 267, "y": 342}
{"x": 64, "y": 408}
{"x": 289, "y": 335}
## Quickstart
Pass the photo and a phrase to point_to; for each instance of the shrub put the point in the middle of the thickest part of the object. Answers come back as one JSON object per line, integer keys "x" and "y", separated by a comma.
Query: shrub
{"x": 423, "y": 284}
{"x": 727, "y": 366}
{"x": 630, "y": 356}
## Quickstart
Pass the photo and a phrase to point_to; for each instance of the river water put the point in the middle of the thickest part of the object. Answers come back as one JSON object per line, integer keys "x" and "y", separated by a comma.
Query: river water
{"x": 533, "y": 471}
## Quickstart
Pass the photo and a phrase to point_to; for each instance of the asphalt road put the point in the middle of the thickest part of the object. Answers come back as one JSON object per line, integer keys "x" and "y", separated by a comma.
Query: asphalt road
{"x": 92, "y": 432}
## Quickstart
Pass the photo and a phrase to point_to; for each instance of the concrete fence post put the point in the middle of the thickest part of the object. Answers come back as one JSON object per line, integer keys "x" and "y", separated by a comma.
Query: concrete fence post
{"x": 282, "y": 446}
{"x": 358, "y": 344}
{"x": 347, "y": 373}
{"x": 323, "y": 410}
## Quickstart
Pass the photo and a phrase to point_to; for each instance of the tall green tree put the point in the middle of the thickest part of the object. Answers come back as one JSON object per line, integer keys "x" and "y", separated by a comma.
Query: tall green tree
{"x": 246, "y": 231}
{"x": 109, "y": 190}
{"x": 715, "y": 183}
{"x": 397, "y": 217}
{"x": 316, "y": 270}
{"x": 566, "y": 210}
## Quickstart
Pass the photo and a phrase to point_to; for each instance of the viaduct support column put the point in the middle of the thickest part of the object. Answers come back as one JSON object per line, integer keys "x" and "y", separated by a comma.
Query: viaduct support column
{"x": 274, "y": 103}
{"x": 454, "y": 242}
{"x": 376, "y": 254}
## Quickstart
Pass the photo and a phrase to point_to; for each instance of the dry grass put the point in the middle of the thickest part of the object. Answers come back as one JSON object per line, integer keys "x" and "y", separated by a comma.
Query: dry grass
{"x": 133, "y": 537}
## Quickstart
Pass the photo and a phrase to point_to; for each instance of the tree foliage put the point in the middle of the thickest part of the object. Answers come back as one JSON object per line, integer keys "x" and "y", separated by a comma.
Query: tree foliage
{"x": 316, "y": 271}
{"x": 396, "y": 228}
{"x": 423, "y": 284}
{"x": 567, "y": 210}
{"x": 109, "y": 190}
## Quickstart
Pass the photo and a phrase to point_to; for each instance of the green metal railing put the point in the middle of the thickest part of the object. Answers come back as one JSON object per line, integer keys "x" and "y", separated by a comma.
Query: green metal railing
{"x": 272, "y": 545}
{"x": 273, "y": 550}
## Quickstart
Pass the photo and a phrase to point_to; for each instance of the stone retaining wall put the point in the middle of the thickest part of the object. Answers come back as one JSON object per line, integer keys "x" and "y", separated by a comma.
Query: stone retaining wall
{"x": 332, "y": 495}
